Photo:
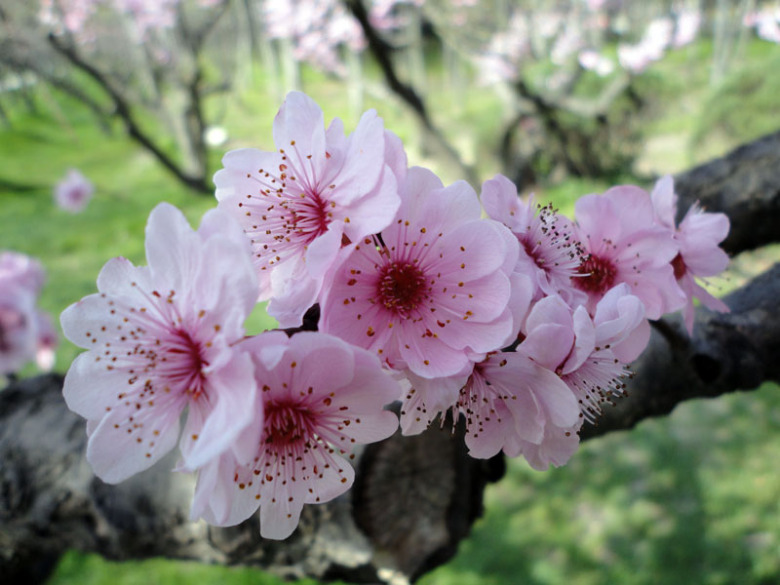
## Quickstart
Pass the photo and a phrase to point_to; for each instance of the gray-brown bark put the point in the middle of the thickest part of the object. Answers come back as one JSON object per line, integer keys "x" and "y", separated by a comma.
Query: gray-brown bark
{"x": 414, "y": 498}
{"x": 744, "y": 184}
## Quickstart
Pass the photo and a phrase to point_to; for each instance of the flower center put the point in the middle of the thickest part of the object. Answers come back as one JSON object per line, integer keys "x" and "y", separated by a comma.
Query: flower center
{"x": 286, "y": 424}
{"x": 402, "y": 287}
{"x": 679, "y": 267}
{"x": 179, "y": 362}
{"x": 598, "y": 275}
{"x": 308, "y": 216}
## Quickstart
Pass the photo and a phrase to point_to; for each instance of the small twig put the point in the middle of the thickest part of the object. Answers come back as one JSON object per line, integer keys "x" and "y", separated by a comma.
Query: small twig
{"x": 381, "y": 51}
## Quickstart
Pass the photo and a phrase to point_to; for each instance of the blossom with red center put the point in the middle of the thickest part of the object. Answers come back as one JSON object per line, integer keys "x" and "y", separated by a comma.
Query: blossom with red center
{"x": 321, "y": 398}
{"x": 431, "y": 293}
{"x": 622, "y": 244}
{"x": 698, "y": 236}
{"x": 73, "y": 192}
{"x": 546, "y": 238}
{"x": 299, "y": 205}
{"x": 163, "y": 339}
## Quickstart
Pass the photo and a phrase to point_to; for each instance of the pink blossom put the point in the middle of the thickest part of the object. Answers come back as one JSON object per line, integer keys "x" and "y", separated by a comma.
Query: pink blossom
{"x": 148, "y": 15}
{"x": 300, "y": 204}
{"x": 766, "y": 22}
{"x": 620, "y": 324}
{"x": 73, "y": 192}
{"x": 594, "y": 61}
{"x": 423, "y": 399}
{"x": 555, "y": 448}
{"x": 688, "y": 23}
{"x": 21, "y": 270}
{"x": 162, "y": 340}
{"x": 18, "y": 327}
{"x": 698, "y": 237}
{"x": 580, "y": 351}
{"x": 547, "y": 242}
{"x": 316, "y": 29}
{"x": 584, "y": 351}
{"x": 431, "y": 294}
{"x": 510, "y": 401}
{"x": 499, "y": 60}
{"x": 321, "y": 398}
{"x": 623, "y": 244}
{"x": 657, "y": 38}
{"x": 21, "y": 327}
{"x": 68, "y": 15}
{"x": 635, "y": 58}
{"x": 568, "y": 42}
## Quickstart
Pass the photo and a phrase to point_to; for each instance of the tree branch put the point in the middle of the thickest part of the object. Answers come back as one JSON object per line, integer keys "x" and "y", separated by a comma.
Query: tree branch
{"x": 744, "y": 184}
{"x": 381, "y": 51}
{"x": 123, "y": 110}
{"x": 726, "y": 353}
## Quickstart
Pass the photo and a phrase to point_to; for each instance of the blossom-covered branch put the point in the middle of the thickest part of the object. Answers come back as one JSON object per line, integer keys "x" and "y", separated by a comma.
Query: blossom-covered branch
{"x": 523, "y": 323}
{"x": 414, "y": 497}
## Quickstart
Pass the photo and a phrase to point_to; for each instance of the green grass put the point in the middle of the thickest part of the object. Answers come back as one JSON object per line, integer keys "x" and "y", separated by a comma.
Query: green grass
{"x": 688, "y": 499}
{"x": 80, "y": 569}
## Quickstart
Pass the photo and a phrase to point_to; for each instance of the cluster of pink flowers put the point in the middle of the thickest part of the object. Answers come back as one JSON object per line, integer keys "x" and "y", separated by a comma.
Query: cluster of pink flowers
{"x": 523, "y": 321}
{"x": 26, "y": 333}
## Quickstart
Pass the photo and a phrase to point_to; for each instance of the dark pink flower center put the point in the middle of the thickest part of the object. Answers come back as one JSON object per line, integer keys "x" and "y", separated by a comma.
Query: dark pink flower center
{"x": 598, "y": 275}
{"x": 286, "y": 424}
{"x": 308, "y": 216}
{"x": 402, "y": 287}
{"x": 181, "y": 363}
{"x": 679, "y": 267}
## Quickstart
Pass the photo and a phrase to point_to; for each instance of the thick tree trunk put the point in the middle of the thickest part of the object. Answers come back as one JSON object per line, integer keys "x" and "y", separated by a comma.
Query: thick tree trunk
{"x": 414, "y": 498}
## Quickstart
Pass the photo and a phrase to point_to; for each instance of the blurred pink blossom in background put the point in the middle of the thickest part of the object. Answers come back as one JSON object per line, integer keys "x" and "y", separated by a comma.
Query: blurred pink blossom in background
{"x": 26, "y": 334}
{"x": 73, "y": 192}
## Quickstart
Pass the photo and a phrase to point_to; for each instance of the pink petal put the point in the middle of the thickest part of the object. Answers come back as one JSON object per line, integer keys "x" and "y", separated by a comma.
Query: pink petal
{"x": 299, "y": 130}
{"x": 171, "y": 246}
{"x": 217, "y": 499}
{"x": 375, "y": 210}
{"x": 364, "y": 159}
{"x": 428, "y": 357}
{"x": 475, "y": 249}
{"x": 116, "y": 454}
{"x": 280, "y": 519}
{"x": 234, "y": 406}
{"x": 665, "y": 201}
{"x": 633, "y": 205}
{"x": 87, "y": 388}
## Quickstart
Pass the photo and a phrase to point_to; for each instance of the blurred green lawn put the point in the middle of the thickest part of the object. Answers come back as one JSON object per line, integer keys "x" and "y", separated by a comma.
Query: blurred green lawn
{"x": 692, "y": 498}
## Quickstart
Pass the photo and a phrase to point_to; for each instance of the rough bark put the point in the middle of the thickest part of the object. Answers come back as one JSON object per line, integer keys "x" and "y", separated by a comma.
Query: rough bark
{"x": 414, "y": 498}
{"x": 744, "y": 184}
{"x": 727, "y": 352}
